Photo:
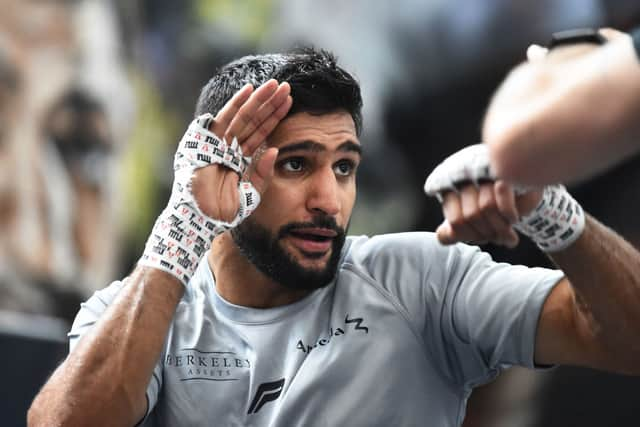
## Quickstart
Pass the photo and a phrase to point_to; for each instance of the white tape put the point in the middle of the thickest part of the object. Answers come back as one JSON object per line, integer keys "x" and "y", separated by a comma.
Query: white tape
{"x": 200, "y": 147}
{"x": 556, "y": 222}
{"x": 183, "y": 233}
{"x": 471, "y": 164}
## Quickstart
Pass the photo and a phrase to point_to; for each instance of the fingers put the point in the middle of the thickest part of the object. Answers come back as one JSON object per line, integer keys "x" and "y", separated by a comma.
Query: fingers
{"x": 506, "y": 201}
{"x": 259, "y": 115}
{"x": 245, "y": 116}
{"x": 230, "y": 109}
{"x": 251, "y": 115}
{"x": 263, "y": 169}
{"x": 500, "y": 212}
{"x": 479, "y": 215}
{"x": 260, "y": 134}
{"x": 257, "y": 110}
{"x": 471, "y": 213}
{"x": 455, "y": 228}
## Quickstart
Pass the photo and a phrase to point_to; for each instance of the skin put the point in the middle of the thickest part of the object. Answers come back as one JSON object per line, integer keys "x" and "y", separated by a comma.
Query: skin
{"x": 573, "y": 109}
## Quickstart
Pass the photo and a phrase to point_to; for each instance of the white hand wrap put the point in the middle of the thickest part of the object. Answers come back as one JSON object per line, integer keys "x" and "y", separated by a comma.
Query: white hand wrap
{"x": 556, "y": 222}
{"x": 182, "y": 233}
{"x": 471, "y": 164}
{"x": 553, "y": 225}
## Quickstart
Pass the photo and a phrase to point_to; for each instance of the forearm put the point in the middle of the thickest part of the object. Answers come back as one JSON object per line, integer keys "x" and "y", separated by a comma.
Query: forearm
{"x": 577, "y": 115}
{"x": 103, "y": 381}
{"x": 604, "y": 271}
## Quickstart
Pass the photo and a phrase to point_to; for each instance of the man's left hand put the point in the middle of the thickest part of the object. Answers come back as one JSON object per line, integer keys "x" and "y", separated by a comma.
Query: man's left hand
{"x": 478, "y": 208}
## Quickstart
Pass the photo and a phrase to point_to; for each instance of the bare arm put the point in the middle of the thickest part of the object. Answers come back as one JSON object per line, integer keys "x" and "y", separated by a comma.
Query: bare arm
{"x": 593, "y": 318}
{"x": 103, "y": 381}
{"x": 575, "y": 111}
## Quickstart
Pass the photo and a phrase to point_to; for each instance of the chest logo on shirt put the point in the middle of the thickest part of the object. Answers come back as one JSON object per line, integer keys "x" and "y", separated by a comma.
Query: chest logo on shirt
{"x": 194, "y": 364}
{"x": 356, "y": 324}
{"x": 267, "y": 392}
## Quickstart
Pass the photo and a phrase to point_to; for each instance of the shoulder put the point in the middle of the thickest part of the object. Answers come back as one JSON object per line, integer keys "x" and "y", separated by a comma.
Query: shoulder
{"x": 92, "y": 309}
{"x": 410, "y": 251}
{"x": 406, "y": 265}
{"x": 413, "y": 270}
{"x": 98, "y": 302}
{"x": 361, "y": 248}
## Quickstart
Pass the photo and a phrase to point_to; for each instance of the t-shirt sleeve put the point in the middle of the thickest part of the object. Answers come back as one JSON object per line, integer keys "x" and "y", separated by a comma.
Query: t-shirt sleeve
{"x": 489, "y": 314}
{"x": 474, "y": 315}
{"x": 90, "y": 312}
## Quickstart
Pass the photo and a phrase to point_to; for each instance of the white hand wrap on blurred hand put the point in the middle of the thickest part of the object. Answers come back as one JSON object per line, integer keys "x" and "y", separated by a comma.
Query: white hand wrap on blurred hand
{"x": 471, "y": 164}
{"x": 553, "y": 225}
{"x": 183, "y": 233}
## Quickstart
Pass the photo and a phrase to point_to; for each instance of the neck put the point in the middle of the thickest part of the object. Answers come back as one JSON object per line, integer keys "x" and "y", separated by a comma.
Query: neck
{"x": 239, "y": 282}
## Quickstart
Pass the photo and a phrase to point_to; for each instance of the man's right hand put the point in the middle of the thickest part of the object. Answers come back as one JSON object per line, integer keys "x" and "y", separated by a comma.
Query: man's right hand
{"x": 216, "y": 186}
{"x": 250, "y": 116}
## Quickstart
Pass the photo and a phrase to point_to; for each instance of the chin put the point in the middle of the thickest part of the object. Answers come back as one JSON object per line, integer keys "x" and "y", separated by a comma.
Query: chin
{"x": 311, "y": 260}
{"x": 314, "y": 264}
{"x": 289, "y": 262}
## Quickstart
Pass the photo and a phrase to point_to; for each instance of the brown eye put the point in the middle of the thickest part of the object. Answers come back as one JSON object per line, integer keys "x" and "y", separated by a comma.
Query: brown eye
{"x": 344, "y": 168}
{"x": 292, "y": 165}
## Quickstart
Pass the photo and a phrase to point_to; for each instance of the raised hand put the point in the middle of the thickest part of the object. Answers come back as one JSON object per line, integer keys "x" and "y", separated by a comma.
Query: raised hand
{"x": 208, "y": 196}
{"x": 249, "y": 117}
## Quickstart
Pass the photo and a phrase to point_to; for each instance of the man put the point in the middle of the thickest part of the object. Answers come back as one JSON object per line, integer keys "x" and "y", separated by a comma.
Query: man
{"x": 287, "y": 322}
{"x": 574, "y": 109}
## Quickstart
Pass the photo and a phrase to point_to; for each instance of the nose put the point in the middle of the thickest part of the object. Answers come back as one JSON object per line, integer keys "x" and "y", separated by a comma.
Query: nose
{"x": 323, "y": 193}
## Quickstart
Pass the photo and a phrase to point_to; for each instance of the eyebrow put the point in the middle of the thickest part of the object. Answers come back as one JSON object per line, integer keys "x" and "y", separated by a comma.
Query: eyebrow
{"x": 347, "y": 146}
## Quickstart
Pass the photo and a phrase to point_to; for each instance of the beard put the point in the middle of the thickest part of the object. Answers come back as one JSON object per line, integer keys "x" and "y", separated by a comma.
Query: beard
{"x": 266, "y": 253}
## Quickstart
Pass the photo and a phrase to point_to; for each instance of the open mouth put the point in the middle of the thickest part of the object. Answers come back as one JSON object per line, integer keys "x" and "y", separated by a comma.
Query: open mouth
{"x": 311, "y": 236}
{"x": 313, "y": 240}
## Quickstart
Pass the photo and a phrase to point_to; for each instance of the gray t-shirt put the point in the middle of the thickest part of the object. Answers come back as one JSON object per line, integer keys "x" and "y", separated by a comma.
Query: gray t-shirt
{"x": 399, "y": 338}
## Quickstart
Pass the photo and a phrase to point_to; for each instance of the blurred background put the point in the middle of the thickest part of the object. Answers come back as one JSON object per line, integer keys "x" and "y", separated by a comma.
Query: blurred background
{"x": 94, "y": 95}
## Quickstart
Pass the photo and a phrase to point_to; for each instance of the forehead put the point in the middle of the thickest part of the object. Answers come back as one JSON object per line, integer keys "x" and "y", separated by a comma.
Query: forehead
{"x": 330, "y": 130}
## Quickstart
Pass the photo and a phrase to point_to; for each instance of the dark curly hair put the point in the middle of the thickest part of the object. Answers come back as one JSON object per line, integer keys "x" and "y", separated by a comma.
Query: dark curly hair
{"x": 318, "y": 84}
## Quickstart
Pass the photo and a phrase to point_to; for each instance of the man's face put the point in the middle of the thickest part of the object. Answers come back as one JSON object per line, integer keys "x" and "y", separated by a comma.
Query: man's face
{"x": 296, "y": 234}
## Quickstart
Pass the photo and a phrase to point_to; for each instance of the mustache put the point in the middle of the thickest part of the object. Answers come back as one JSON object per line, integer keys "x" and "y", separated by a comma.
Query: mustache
{"x": 322, "y": 221}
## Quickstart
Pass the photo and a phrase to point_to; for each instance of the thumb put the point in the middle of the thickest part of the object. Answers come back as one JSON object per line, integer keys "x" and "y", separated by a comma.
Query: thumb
{"x": 527, "y": 202}
{"x": 263, "y": 171}
{"x": 444, "y": 233}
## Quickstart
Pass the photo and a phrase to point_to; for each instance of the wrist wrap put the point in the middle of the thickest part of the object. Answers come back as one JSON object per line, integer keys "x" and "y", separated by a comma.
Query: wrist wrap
{"x": 556, "y": 222}
{"x": 183, "y": 233}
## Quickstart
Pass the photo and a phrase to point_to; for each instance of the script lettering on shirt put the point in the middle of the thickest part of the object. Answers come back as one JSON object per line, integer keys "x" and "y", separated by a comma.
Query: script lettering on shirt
{"x": 355, "y": 324}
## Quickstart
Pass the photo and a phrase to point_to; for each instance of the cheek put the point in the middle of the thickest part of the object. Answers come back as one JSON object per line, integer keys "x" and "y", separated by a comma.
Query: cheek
{"x": 277, "y": 203}
{"x": 348, "y": 201}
